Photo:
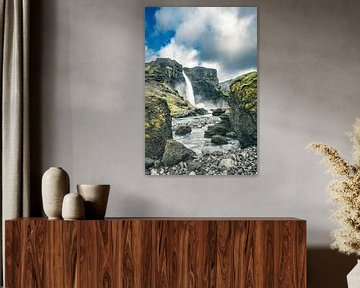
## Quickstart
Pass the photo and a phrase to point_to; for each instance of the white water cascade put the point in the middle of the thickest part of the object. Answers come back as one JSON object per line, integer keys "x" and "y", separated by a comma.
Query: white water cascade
{"x": 189, "y": 90}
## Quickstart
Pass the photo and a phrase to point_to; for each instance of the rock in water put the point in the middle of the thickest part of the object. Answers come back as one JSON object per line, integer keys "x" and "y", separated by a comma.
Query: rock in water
{"x": 217, "y": 129}
{"x": 201, "y": 111}
{"x": 222, "y": 128}
{"x": 243, "y": 103}
{"x": 219, "y": 140}
{"x": 183, "y": 130}
{"x": 157, "y": 127}
{"x": 218, "y": 111}
{"x": 226, "y": 163}
{"x": 176, "y": 152}
{"x": 225, "y": 120}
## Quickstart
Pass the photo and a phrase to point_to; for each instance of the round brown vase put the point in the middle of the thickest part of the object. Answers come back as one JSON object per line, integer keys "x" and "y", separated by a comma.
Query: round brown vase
{"x": 73, "y": 207}
{"x": 96, "y": 198}
{"x": 55, "y": 185}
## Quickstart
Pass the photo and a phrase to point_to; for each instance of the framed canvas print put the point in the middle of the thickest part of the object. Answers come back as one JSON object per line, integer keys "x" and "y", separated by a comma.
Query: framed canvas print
{"x": 201, "y": 90}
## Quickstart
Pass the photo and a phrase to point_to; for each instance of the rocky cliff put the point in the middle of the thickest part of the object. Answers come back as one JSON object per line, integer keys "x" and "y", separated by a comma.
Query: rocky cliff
{"x": 205, "y": 83}
{"x": 243, "y": 113}
{"x": 163, "y": 79}
{"x": 164, "y": 70}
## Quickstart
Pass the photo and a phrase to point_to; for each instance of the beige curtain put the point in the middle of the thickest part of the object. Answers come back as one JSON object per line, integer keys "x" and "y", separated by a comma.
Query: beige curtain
{"x": 14, "y": 25}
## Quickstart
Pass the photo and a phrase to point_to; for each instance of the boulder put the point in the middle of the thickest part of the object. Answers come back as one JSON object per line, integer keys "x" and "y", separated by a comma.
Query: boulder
{"x": 218, "y": 111}
{"x": 225, "y": 120}
{"x": 226, "y": 163}
{"x": 176, "y": 152}
{"x": 194, "y": 165}
{"x": 201, "y": 111}
{"x": 217, "y": 129}
{"x": 157, "y": 127}
{"x": 223, "y": 128}
{"x": 183, "y": 130}
{"x": 243, "y": 113}
{"x": 154, "y": 172}
{"x": 219, "y": 140}
{"x": 206, "y": 151}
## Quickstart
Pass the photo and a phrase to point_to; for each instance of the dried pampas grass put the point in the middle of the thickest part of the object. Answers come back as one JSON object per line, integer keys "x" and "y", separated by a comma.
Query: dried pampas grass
{"x": 345, "y": 191}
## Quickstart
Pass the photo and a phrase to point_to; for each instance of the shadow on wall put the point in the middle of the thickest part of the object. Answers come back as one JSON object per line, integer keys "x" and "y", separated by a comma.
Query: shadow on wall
{"x": 328, "y": 268}
{"x": 35, "y": 64}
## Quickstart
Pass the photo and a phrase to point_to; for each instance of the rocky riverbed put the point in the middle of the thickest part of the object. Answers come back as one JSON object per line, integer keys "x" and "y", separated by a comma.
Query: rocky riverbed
{"x": 196, "y": 140}
{"x": 195, "y": 125}
{"x": 232, "y": 162}
{"x": 203, "y": 145}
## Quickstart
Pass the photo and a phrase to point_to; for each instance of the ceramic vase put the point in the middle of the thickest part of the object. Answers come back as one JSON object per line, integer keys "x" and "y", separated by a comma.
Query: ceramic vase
{"x": 96, "y": 198}
{"x": 55, "y": 185}
{"x": 73, "y": 207}
{"x": 353, "y": 278}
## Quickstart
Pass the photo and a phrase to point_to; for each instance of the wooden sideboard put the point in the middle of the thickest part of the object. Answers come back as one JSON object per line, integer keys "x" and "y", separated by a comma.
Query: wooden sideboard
{"x": 156, "y": 252}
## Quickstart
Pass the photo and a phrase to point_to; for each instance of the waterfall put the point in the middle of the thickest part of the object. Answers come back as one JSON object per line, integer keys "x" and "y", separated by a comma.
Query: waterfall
{"x": 189, "y": 90}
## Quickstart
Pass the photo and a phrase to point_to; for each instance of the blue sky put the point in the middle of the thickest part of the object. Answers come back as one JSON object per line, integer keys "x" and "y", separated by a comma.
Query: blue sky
{"x": 155, "y": 40}
{"x": 224, "y": 38}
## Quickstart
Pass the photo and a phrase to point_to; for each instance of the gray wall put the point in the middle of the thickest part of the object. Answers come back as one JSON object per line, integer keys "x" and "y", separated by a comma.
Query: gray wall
{"x": 88, "y": 108}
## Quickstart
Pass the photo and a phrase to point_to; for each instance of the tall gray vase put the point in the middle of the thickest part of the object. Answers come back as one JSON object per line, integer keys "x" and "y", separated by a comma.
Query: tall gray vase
{"x": 55, "y": 185}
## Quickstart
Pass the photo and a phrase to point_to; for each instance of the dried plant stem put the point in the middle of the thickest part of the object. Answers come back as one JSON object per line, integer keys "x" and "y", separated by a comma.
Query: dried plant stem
{"x": 355, "y": 138}
{"x": 345, "y": 191}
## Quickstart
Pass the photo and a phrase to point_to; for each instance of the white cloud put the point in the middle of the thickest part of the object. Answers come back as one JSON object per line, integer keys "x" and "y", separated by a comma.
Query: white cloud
{"x": 169, "y": 18}
{"x": 223, "y": 38}
{"x": 187, "y": 56}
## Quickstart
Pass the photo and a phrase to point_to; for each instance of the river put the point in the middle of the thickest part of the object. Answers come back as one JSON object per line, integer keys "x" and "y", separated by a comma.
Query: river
{"x": 195, "y": 140}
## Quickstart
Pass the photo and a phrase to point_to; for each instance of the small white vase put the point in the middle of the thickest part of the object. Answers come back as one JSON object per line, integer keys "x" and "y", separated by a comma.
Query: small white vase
{"x": 73, "y": 207}
{"x": 353, "y": 278}
{"x": 55, "y": 185}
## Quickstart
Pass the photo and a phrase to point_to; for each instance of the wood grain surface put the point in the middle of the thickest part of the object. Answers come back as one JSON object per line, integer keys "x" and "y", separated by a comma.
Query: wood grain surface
{"x": 161, "y": 252}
